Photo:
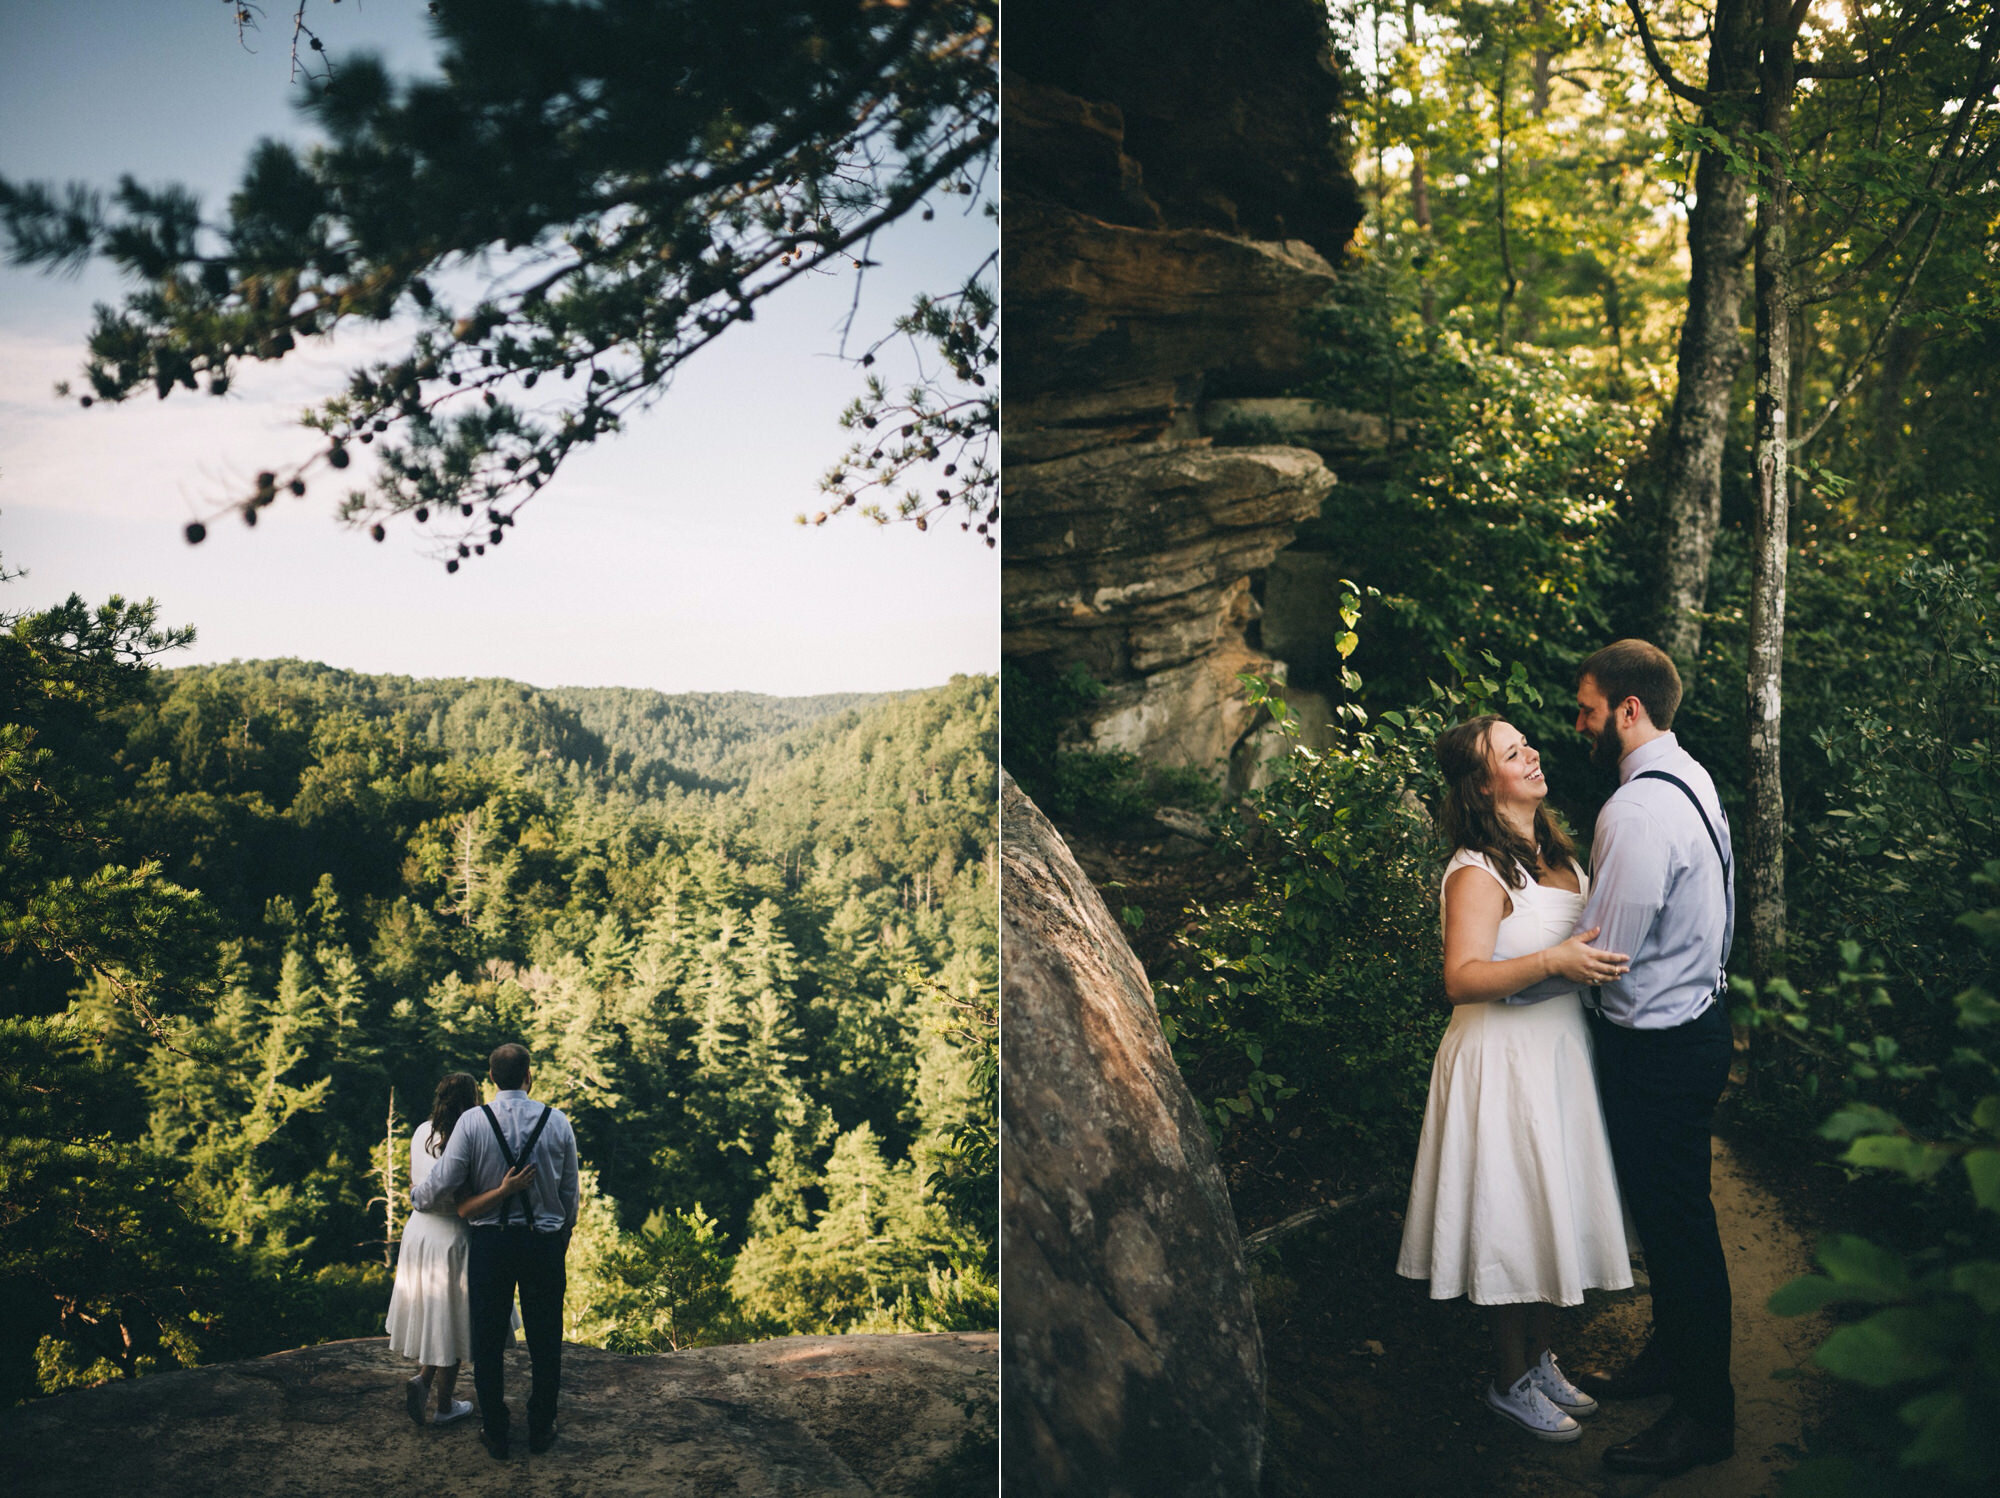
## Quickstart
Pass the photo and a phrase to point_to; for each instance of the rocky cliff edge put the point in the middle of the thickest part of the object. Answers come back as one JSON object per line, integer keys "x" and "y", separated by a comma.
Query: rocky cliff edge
{"x": 855, "y": 1415}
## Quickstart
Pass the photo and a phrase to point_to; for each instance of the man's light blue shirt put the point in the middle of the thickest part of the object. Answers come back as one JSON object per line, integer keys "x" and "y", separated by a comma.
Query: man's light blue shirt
{"x": 1658, "y": 893}
{"x": 472, "y": 1161}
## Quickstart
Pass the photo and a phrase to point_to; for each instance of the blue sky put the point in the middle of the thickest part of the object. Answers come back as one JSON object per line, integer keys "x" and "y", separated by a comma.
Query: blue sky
{"x": 667, "y": 557}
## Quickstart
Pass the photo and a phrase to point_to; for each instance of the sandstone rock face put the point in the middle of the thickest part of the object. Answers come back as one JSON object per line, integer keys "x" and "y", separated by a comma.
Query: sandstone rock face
{"x": 1124, "y": 327}
{"x": 1226, "y": 105}
{"x": 1173, "y": 194}
{"x": 1347, "y": 436}
{"x": 853, "y": 1415}
{"x": 1135, "y": 560}
{"x": 1132, "y": 1360}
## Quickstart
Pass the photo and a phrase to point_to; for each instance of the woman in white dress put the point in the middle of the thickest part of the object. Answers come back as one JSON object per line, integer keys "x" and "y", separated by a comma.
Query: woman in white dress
{"x": 1514, "y": 1202}
{"x": 430, "y": 1316}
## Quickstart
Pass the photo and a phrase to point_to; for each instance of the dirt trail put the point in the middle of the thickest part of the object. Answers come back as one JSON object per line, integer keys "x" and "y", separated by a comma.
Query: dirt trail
{"x": 1764, "y": 1251}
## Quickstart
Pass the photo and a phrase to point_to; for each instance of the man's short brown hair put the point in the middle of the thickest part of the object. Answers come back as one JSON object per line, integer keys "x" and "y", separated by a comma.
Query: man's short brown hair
{"x": 1636, "y": 668}
{"x": 509, "y": 1065}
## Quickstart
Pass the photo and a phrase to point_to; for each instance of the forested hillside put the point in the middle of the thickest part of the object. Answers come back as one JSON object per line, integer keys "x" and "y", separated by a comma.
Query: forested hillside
{"x": 254, "y": 912}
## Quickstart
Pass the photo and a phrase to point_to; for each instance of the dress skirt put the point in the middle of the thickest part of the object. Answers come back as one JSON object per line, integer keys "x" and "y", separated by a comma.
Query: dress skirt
{"x": 430, "y": 1317}
{"x": 1514, "y": 1197}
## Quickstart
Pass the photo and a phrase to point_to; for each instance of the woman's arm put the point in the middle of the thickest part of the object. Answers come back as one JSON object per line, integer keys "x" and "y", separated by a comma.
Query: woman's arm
{"x": 1474, "y": 905}
{"x": 515, "y": 1181}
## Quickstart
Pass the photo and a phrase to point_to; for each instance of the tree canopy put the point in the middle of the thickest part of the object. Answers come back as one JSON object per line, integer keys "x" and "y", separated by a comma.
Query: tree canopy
{"x": 591, "y": 193}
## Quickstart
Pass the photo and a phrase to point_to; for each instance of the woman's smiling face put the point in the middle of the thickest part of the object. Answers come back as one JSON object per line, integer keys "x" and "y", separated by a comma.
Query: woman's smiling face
{"x": 1514, "y": 766}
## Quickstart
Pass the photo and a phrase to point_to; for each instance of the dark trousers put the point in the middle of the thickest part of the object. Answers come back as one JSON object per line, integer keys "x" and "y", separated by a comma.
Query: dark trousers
{"x": 1660, "y": 1089}
{"x": 501, "y": 1259}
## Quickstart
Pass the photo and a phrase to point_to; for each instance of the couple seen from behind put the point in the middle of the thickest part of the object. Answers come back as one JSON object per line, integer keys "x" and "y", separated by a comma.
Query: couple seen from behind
{"x": 495, "y": 1189}
{"x": 1587, "y": 1049}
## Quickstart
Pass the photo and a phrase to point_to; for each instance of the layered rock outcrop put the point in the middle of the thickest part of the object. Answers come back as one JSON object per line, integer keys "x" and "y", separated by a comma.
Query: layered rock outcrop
{"x": 1130, "y": 1351}
{"x": 864, "y": 1416}
{"x": 1174, "y": 200}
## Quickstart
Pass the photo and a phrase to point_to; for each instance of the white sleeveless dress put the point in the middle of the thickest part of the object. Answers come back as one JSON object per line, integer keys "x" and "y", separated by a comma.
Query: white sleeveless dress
{"x": 1514, "y": 1197}
{"x": 430, "y": 1312}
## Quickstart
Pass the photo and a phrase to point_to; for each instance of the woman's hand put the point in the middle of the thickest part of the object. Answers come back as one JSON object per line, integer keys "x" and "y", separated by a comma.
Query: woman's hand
{"x": 512, "y": 1184}
{"x": 517, "y": 1180}
{"x": 1580, "y": 962}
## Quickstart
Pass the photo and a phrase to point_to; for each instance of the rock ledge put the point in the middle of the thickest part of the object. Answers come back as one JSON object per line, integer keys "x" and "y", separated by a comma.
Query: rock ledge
{"x": 856, "y": 1415}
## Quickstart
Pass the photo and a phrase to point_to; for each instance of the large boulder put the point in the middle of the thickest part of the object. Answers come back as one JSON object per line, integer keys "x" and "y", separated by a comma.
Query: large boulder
{"x": 862, "y": 1416}
{"x": 1131, "y": 1355}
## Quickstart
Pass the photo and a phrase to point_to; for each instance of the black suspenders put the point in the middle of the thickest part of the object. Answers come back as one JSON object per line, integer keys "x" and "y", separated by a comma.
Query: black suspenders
{"x": 514, "y": 1162}
{"x": 1722, "y": 982}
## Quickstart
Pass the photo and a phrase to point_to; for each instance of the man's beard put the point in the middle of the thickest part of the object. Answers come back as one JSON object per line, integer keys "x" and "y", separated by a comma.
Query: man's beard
{"x": 1607, "y": 748}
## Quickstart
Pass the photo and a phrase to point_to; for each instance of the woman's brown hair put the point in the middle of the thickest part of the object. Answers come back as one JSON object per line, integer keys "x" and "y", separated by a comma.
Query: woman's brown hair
{"x": 1468, "y": 819}
{"x": 457, "y": 1093}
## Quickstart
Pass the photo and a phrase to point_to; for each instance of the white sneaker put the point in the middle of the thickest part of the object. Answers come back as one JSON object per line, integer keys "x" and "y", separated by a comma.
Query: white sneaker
{"x": 1529, "y": 1408}
{"x": 1561, "y": 1393}
{"x": 460, "y": 1408}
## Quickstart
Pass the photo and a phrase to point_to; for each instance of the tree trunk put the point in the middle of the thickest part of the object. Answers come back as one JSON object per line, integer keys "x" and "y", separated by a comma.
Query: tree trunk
{"x": 1711, "y": 346}
{"x": 1899, "y": 361}
{"x": 1420, "y": 204}
{"x": 389, "y": 1185}
{"x": 1510, "y": 284}
{"x": 1764, "y": 860}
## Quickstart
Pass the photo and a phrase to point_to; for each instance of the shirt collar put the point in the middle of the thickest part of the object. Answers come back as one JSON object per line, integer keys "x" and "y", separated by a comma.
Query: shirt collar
{"x": 510, "y": 1092}
{"x": 1647, "y": 756}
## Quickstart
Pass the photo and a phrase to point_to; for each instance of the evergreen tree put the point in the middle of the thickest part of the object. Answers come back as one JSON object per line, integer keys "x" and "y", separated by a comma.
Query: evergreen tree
{"x": 640, "y": 175}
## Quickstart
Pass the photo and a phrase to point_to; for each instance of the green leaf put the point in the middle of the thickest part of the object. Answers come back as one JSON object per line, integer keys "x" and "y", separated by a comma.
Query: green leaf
{"x": 1982, "y": 1167}
{"x": 1804, "y": 1295}
{"x": 1346, "y": 643}
{"x": 1977, "y": 1008}
{"x": 1863, "y": 1268}
{"x": 1896, "y": 1346}
{"x": 1944, "y": 1432}
{"x": 1911, "y": 1157}
{"x": 1987, "y": 1114}
{"x": 1979, "y": 1279}
{"x": 1859, "y": 1118}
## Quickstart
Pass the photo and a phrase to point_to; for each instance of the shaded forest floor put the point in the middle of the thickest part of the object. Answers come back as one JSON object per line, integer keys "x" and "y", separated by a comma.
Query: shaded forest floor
{"x": 1376, "y": 1389}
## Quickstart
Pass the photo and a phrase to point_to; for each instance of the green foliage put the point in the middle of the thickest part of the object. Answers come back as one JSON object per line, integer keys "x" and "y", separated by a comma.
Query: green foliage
{"x": 1556, "y": 234}
{"x": 660, "y": 1288}
{"x": 103, "y": 1269}
{"x": 617, "y": 228}
{"x": 1510, "y": 466}
{"x": 866, "y": 1261}
{"x": 1900, "y": 812}
{"x": 72, "y": 895}
{"x": 1106, "y": 789}
{"x": 1928, "y": 1327}
{"x": 930, "y": 420}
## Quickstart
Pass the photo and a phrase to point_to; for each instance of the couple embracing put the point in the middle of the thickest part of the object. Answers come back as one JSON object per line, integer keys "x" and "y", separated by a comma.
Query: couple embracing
{"x": 1587, "y": 1049}
{"x": 495, "y": 1191}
